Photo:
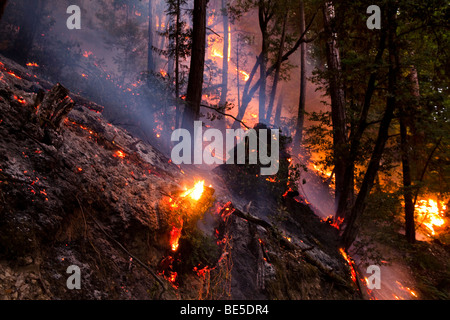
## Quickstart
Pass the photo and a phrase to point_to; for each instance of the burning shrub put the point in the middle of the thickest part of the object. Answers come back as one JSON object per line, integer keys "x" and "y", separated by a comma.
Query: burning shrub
{"x": 188, "y": 246}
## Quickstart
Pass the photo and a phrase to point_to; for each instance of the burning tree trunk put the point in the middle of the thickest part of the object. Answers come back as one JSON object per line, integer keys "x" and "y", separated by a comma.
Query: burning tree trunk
{"x": 195, "y": 84}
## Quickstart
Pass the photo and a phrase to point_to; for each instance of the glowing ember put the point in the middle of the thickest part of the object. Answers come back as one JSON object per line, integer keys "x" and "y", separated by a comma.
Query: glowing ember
{"x": 173, "y": 277}
{"x": 335, "y": 223}
{"x": 14, "y": 75}
{"x": 20, "y": 100}
{"x": 120, "y": 154}
{"x": 163, "y": 73}
{"x": 406, "y": 289}
{"x": 430, "y": 214}
{"x": 86, "y": 54}
{"x": 196, "y": 192}
{"x": 32, "y": 64}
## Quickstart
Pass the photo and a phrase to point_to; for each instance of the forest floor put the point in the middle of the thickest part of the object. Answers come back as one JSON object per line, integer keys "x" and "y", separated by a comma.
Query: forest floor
{"x": 408, "y": 271}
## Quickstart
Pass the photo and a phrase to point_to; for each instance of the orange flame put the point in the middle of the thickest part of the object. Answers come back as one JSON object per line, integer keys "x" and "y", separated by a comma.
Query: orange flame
{"x": 120, "y": 154}
{"x": 350, "y": 263}
{"x": 406, "y": 289}
{"x": 20, "y": 100}
{"x": 86, "y": 54}
{"x": 196, "y": 192}
{"x": 175, "y": 235}
{"x": 430, "y": 214}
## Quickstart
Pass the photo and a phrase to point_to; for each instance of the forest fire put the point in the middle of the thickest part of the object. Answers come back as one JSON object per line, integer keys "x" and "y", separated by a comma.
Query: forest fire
{"x": 88, "y": 174}
{"x": 430, "y": 214}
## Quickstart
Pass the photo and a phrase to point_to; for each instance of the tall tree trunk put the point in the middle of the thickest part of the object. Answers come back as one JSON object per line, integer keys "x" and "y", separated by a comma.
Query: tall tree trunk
{"x": 277, "y": 120}
{"x": 410, "y": 229}
{"x": 350, "y": 230}
{"x": 222, "y": 123}
{"x": 407, "y": 121}
{"x": 224, "y": 92}
{"x": 263, "y": 23}
{"x": 29, "y": 27}
{"x": 150, "y": 59}
{"x": 170, "y": 60}
{"x": 238, "y": 80}
{"x": 337, "y": 96}
{"x": 177, "y": 64}
{"x": 359, "y": 131}
{"x": 195, "y": 83}
{"x": 276, "y": 78}
{"x": 246, "y": 95}
{"x": 302, "y": 98}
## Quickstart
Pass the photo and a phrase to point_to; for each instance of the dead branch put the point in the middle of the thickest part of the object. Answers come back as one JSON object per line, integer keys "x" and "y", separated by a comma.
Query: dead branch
{"x": 225, "y": 114}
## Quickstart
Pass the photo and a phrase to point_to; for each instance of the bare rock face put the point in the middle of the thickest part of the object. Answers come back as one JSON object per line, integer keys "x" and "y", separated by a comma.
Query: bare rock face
{"x": 76, "y": 190}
